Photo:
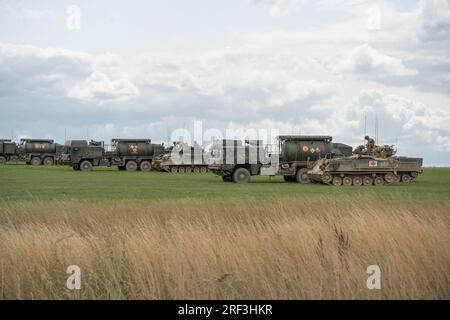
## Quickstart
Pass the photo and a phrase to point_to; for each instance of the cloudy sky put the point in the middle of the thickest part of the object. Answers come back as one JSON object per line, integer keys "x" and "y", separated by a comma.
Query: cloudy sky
{"x": 145, "y": 68}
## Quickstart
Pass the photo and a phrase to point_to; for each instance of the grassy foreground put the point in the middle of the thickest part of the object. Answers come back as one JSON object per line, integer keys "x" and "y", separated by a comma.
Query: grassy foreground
{"x": 165, "y": 236}
{"x": 316, "y": 248}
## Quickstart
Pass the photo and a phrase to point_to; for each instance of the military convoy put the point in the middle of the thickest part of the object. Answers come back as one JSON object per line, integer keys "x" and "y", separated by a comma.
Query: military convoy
{"x": 306, "y": 159}
{"x": 301, "y": 159}
{"x": 126, "y": 154}
{"x": 292, "y": 158}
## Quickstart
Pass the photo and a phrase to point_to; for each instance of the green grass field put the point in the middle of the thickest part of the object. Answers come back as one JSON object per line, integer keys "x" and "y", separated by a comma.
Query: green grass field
{"x": 21, "y": 182}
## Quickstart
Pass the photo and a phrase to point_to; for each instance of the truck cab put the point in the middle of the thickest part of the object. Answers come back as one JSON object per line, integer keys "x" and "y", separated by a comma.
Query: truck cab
{"x": 81, "y": 155}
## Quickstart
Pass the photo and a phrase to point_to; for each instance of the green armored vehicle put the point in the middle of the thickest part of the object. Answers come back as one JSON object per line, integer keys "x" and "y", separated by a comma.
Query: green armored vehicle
{"x": 182, "y": 158}
{"x": 39, "y": 151}
{"x": 8, "y": 151}
{"x": 134, "y": 154}
{"x": 291, "y": 158}
{"x": 377, "y": 168}
{"x": 81, "y": 155}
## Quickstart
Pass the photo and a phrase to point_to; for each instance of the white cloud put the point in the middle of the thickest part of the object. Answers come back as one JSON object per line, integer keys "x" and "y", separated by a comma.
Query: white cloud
{"x": 279, "y": 7}
{"x": 413, "y": 122}
{"x": 367, "y": 61}
{"x": 99, "y": 88}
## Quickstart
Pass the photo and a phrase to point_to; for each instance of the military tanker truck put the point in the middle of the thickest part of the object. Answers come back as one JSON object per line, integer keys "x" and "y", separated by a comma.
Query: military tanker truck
{"x": 292, "y": 157}
{"x": 82, "y": 156}
{"x": 299, "y": 153}
{"x": 182, "y": 158}
{"x": 39, "y": 151}
{"x": 134, "y": 154}
{"x": 8, "y": 151}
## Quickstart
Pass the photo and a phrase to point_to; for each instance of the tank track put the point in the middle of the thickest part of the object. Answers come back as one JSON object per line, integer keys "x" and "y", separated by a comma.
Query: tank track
{"x": 364, "y": 179}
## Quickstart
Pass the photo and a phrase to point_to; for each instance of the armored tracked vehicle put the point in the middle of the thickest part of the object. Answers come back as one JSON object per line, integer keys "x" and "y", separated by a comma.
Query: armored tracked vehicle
{"x": 8, "y": 151}
{"x": 366, "y": 169}
{"x": 82, "y": 156}
{"x": 182, "y": 158}
{"x": 39, "y": 151}
{"x": 134, "y": 154}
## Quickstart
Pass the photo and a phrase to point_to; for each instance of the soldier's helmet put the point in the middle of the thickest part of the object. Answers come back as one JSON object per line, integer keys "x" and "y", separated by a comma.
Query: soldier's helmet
{"x": 366, "y": 138}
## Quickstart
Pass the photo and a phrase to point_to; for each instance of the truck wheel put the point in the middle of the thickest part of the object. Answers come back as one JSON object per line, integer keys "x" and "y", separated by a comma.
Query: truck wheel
{"x": 35, "y": 161}
{"x": 76, "y": 167}
{"x": 2, "y": 160}
{"x": 145, "y": 166}
{"x": 302, "y": 176}
{"x": 241, "y": 175}
{"x": 131, "y": 166}
{"x": 86, "y": 165}
{"x": 48, "y": 161}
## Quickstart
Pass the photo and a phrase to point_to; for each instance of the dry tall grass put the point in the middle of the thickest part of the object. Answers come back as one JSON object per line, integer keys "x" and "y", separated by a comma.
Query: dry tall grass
{"x": 196, "y": 249}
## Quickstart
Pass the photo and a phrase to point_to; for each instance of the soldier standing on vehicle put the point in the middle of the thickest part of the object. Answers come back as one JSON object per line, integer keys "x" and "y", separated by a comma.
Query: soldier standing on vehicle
{"x": 370, "y": 144}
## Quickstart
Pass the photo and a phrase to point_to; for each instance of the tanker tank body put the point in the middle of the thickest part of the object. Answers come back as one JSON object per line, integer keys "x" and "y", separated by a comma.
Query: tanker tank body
{"x": 134, "y": 154}
{"x": 299, "y": 153}
{"x": 40, "y": 151}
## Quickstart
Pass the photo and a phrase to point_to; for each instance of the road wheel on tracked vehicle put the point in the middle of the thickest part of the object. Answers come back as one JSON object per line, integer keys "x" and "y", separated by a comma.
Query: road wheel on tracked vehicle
{"x": 327, "y": 178}
{"x": 196, "y": 170}
{"x": 367, "y": 181}
{"x": 48, "y": 161}
{"x": 347, "y": 181}
{"x": 337, "y": 181}
{"x": 379, "y": 181}
{"x": 174, "y": 169}
{"x": 203, "y": 169}
{"x": 188, "y": 169}
{"x": 241, "y": 175}
{"x": 302, "y": 176}
{"x": 36, "y": 161}
{"x": 357, "y": 181}
{"x": 86, "y": 165}
{"x": 2, "y": 160}
{"x": 145, "y": 166}
{"x": 389, "y": 177}
{"x": 131, "y": 166}
{"x": 406, "y": 178}
{"x": 181, "y": 170}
